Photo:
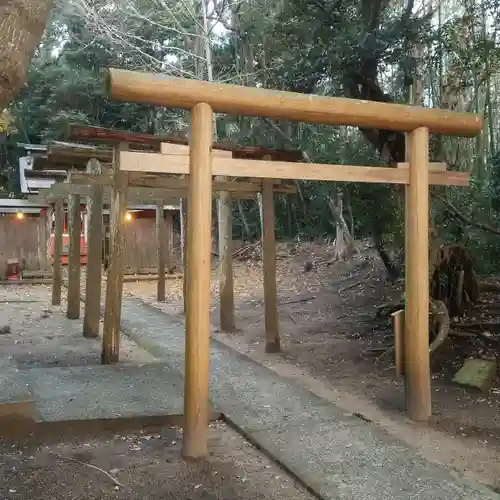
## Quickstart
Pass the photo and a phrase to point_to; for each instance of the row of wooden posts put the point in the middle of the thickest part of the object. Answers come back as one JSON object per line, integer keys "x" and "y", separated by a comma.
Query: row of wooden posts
{"x": 115, "y": 273}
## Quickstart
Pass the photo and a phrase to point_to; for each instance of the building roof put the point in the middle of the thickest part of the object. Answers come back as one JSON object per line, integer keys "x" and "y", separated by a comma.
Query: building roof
{"x": 14, "y": 205}
{"x": 32, "y": 147}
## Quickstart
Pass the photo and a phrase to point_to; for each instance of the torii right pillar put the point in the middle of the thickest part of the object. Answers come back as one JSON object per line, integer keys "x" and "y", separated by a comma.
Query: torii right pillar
{"x": 417, "y": 362}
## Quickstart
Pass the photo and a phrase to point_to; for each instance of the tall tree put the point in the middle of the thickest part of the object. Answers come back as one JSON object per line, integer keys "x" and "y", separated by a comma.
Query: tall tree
{"x": 21, "y": 27}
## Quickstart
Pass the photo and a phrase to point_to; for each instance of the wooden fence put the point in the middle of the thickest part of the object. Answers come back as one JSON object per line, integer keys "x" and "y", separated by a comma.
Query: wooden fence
{"x": 141, "y": 247}
{"x": 21, "y": 239}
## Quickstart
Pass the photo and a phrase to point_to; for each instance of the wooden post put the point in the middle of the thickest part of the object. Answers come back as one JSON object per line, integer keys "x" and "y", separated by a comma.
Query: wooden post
{"x": 398, "y": 319}
{"x": 48, "y": 231}
{"x": 58, "y": 241}
{"x": 182, "y": 213}
{"x": 160, "y": 243}
{"x": 114, "y": 283}
{"x": 199, "y": 257}
{"x": 169, "y": 242}
{"x": 417, "y": 360}
{"x": 43, "y": 236}
{"x": 74, "y": 257}
{"x": 226, "y": 287}
{"x": 184, "y": 219}
{"x": 269, "y": 265}
{"x": 92, "y": 310}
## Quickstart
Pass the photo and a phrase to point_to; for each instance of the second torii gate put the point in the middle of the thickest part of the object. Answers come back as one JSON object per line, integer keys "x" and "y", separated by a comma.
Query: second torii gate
{"x": 203, "y": 99}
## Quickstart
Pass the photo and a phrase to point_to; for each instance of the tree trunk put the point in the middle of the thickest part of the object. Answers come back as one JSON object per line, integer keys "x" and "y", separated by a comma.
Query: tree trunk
{"x": 246, "y": 233}
{"x": 344, "y": 246}
{"x": 21, "y": 27}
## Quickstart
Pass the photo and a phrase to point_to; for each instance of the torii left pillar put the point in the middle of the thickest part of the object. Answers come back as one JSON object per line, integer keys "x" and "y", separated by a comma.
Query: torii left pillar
{"x": 74, "y": 257}
{"x": 199, "y": 263}
{"x": 114, "y": 283}
{"x": 417, "y": 358}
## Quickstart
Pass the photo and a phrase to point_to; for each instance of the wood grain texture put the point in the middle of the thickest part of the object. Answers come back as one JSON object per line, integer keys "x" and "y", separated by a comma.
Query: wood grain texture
{"x": 133, "y": 161}
{"x": 199, "y": 267}
{"x": 161, "y": 90}
{"x": 161, "y": 253}
{"x": 417, "y": 360}
{"x": 92, "y": 308}
{"x": 114, "y": 282}
{"x": 58, "y": 243}
{"x": 74, "y": 256}
{"x": 269, "y": 269}
{"x": 226, "y": 285}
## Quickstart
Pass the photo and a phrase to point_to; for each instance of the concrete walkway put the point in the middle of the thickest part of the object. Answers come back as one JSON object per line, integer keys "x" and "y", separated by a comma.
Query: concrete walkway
{"x": 336, "y": 454}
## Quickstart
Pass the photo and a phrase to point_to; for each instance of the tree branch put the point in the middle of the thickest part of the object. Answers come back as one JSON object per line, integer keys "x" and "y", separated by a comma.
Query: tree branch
{"x": 456, "y": 213}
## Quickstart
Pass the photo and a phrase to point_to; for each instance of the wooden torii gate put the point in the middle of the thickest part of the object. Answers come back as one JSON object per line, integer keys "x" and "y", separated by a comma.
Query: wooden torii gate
{"x": 205, "y": 98}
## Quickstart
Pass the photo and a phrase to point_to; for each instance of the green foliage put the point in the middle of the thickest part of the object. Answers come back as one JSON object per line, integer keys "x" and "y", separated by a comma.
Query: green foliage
{"x": 332, "y": 47}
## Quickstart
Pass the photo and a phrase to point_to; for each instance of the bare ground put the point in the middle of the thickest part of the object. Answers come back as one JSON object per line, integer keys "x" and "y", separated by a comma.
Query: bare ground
{"x": 142, "y": 466}
{"x": 328, "y": 333}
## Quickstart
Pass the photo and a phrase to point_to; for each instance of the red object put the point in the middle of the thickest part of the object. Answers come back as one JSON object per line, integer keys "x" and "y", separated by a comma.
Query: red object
{"x": 13, "y": 270}
{"x": 65, "y": 249}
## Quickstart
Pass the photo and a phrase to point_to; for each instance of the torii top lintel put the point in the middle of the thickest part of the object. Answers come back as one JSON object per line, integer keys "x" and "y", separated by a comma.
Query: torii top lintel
{"x": 183, "y": 93}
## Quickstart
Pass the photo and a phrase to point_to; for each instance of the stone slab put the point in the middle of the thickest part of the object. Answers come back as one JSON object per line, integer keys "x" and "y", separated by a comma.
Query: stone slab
{"x": 477, "y": 373}
{"x": 106, "y": 392}
{"x": 15, "y": 397}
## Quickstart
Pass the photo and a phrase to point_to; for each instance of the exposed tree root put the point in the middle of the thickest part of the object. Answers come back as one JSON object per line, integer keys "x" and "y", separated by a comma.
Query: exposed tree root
{"x": 385, "y": 310}
{"x": 453, "y": 279}
{"x": 439, "y": 328}
{"x": 482, "y": 327}
{"x": 386, "y": 354}
{"x": 440, "y": 321}
{"x": 486, "y": 286}
{"x": 481, "y": 335}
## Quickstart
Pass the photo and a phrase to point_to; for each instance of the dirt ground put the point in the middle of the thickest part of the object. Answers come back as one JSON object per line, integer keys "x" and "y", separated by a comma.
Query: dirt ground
{"x": 40, "y": 335}
{"x": 330, "y": 335}
{"x": 143, "y": 466}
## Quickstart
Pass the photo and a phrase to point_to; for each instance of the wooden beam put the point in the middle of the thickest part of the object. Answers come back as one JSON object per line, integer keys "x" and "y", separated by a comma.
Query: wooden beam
{"x": 150, "y": 162}
{"x": 74, "y": 257}
{"x": 160, "y": 244}
{"x": 57, "y": 264}
{"x": 114, "y": 282}
{"x": 160, "y": 182}
{"x": 78, "y": 153}
{"x": 199, "y": 256}
{"x": 98, "y": 134}
{"x": 161, "y": 90}
{"x": 269, "y": 270}
{"x": 92, "y": 309}
{"x": 417, "y": 360}
{"x": 114, "y": 136}
{"x": 434, "y": 166}
{"x": 64, "y": 189}
{"x": 183, "y": 150}
{"x": 139, "y": 196}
